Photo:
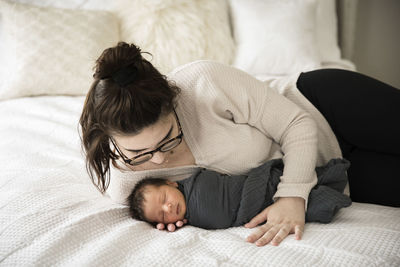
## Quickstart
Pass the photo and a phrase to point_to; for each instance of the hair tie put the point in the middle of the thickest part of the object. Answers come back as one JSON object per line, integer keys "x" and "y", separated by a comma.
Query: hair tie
{"x": 125, "y": 76}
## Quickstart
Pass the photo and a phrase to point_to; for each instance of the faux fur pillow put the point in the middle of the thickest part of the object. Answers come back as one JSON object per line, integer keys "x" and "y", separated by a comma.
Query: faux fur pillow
{"x": 51, "y": 51}
{"x": 176, "y": 32}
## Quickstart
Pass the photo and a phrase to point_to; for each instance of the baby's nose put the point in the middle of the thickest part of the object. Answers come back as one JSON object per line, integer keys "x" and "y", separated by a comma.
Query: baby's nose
{"x": 168, "y": 207}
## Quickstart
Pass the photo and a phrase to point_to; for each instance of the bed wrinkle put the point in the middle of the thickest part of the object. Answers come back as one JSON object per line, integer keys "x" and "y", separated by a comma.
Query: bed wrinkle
{"x": 12, "y": 252}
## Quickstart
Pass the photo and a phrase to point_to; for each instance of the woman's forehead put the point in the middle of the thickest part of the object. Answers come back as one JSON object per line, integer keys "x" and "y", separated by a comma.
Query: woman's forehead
{"x": 149, "y": 137}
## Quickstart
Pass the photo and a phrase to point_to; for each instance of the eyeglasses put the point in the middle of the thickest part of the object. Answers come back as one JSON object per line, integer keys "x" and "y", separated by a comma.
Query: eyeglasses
{"x": 142, "y": 158}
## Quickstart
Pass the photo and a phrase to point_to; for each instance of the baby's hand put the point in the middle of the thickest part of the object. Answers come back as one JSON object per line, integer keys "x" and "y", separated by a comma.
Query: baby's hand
{"x": 171, "y": 227}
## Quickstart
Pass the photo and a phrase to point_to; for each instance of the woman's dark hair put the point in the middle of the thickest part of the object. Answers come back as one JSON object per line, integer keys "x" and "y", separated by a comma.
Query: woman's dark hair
{"x": 112, "y": 107}
{"x": 136, "y": 198}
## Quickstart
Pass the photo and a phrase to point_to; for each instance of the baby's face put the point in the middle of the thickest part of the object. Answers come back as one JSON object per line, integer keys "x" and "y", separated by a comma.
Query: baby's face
{"x": 164, "y": 204}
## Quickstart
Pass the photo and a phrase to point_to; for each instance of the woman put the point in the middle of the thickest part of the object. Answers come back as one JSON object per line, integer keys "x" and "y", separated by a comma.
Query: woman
{"x": 210, "y": 115}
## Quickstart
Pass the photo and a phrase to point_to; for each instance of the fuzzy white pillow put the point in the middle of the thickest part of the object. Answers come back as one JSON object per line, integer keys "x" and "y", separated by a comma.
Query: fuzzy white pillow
{"x": 275, "y": 37}
{"x": 51, "y": 51}
{"x": 176, "y": 32}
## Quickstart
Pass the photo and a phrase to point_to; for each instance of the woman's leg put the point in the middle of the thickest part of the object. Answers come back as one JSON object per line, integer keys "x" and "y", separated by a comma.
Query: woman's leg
{"x": 364, "y": 114}
{"x": 375, "y": 177}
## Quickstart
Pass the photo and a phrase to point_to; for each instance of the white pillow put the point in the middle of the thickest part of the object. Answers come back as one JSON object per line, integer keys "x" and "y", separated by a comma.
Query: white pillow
{"x": 52, "y": 51}
{"x": 327, "y": 31}
{"x": 275, "y": 37}
{"x": 176, "y": 32}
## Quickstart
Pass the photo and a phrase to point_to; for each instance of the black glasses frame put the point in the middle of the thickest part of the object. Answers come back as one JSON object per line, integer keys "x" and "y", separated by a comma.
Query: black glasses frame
{"x": 159, "y": 148}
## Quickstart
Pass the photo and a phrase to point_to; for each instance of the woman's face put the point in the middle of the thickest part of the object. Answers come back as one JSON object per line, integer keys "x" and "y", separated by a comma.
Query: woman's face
{"x": 164, "y": 204}
{"x": 149, "y": 139}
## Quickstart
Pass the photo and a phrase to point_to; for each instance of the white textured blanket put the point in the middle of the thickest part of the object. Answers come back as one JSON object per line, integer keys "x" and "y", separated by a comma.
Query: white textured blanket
{"x": 51, "y": 214}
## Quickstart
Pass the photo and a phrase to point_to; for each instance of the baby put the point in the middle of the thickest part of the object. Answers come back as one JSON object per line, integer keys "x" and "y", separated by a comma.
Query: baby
{"x": 212, "y": 200}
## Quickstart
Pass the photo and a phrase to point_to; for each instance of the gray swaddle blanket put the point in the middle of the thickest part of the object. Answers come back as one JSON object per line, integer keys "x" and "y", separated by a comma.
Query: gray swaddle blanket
{"x": 216, "y": 201}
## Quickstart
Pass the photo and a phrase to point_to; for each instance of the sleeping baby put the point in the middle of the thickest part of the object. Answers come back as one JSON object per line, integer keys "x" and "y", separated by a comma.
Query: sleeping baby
{"x": 212, "y": 200}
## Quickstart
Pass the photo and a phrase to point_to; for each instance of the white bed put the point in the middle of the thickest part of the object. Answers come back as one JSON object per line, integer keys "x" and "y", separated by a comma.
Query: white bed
{"x": 52, "y": 215}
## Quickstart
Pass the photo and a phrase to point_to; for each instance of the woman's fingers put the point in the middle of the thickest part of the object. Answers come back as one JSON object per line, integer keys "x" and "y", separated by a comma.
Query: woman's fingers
{"x": 282, "y": 234}
{"x": 274, "y": 234}
{"x": 268, "y": 236}
{"x": 285, "y": 216}
{"x": 260, "y": 218}
{"x": 160, "y": 226}
{"x": 258, "y": 233}
{"x": 171, "y": 227}
{"x": 298, "y": 231}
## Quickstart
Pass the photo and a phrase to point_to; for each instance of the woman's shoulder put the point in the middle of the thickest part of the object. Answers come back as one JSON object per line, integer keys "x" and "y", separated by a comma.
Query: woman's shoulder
{"x": 195, "y": 67}
{"x": 197, "y": 79}
{"x": 212, "y": 71}
{"x": 209, "y": 75}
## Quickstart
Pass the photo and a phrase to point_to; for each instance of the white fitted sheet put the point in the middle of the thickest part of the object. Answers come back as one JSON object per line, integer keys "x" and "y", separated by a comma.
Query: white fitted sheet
{"x": 51, "y": 214}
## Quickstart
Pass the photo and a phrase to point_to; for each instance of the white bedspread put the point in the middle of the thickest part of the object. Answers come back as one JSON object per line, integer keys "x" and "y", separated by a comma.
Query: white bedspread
{"x": 51, "y": 214}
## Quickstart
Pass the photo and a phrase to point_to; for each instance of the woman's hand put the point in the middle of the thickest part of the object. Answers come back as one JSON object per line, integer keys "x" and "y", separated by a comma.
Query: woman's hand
{"x": 286, "y": 216}
{"x": 171, "y": 227}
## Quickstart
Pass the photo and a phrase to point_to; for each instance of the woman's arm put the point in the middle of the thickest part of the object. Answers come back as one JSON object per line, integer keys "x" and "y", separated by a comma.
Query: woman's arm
{"x": 253, "y": 102}
{"x": 296, "y": 133}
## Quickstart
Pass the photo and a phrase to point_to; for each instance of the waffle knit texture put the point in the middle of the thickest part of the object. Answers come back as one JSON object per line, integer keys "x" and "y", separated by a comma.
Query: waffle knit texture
{"x": 233, "y": 122}
{"x": 52, "y": 215}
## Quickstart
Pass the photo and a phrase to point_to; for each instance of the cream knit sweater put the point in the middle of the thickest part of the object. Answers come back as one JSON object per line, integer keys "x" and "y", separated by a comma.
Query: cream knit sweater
{"x": 233, "y": 122}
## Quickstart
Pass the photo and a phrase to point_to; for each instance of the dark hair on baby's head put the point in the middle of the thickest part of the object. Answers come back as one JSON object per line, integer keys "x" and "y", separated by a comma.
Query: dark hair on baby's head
{"x": 136, "y": 198}
{"x": 128, "y": 94}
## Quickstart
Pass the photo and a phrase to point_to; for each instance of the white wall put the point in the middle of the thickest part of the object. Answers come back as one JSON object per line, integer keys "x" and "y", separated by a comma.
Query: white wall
{"x": 376, "y": 48}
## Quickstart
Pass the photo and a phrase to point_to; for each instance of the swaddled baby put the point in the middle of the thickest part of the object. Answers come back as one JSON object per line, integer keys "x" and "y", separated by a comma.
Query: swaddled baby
{"x": 212, "y": 200}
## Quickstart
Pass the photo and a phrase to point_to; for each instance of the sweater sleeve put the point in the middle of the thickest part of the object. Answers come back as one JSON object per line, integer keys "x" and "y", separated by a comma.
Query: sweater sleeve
{"x": 296, "y": 133}
{"x": 252, "y": 102}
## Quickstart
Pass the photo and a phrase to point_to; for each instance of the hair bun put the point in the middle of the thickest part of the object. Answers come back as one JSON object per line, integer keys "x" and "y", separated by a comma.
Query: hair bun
{"x": 125, "y": 76}
{"x": 116, "y": 60}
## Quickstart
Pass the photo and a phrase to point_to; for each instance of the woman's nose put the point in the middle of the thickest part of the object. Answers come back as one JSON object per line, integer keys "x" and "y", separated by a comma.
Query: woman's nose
{"x": 158, "y": 158}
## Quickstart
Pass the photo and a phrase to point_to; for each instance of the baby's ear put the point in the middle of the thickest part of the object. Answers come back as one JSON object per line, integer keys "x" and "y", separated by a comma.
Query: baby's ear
{"x": 174, "y": 184}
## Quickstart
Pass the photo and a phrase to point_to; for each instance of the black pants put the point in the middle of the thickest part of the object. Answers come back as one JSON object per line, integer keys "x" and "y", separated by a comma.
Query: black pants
{"x": 364, "y": 114}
